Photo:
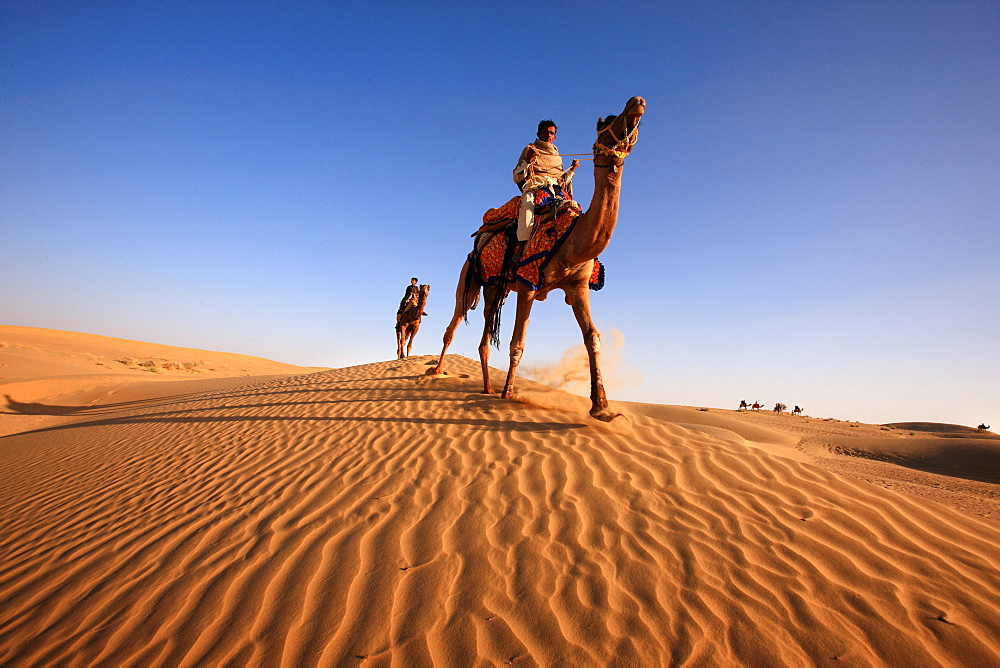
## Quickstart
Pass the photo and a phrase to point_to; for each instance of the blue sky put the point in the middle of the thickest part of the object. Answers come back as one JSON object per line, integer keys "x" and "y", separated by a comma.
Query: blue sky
{"x": 811, "y": 214}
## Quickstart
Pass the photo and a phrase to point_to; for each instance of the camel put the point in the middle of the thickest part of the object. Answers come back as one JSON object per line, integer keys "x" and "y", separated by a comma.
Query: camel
{"x": 743, "y": 405}
{"x": 756, "y": 406}
{"x": 569, "y": 270}
{"x": 409, "y": 322}
{"x": 797, "y": 411}
{"x": 983, "y": 427}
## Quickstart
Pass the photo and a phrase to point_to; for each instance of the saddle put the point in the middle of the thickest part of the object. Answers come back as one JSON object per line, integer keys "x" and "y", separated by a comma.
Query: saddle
{"x": 491, "y": 258}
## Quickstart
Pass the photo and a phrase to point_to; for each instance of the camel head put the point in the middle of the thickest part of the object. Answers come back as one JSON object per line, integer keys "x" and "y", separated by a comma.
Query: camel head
{"x": 425, "y": 290}
{"x": 616, "y": 135}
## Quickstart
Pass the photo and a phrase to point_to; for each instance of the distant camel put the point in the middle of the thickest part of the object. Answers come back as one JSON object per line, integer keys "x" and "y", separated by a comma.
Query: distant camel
{"x": 797, "y": 411}
{"x": 982, "y": 427}
{"x": 778, "y": 408}
{"x": 409, "y": 322}
{"x": 743, "y": 405}
{"x": 756, "y": 406}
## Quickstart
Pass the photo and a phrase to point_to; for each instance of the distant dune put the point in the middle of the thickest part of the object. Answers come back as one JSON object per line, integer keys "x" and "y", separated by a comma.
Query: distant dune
{"x": 379, "y": 515}
{"x": 45, "y": 372}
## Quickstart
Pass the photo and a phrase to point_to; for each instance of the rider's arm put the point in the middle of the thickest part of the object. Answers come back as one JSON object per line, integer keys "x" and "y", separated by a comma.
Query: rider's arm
{"x": 523, "y": 169}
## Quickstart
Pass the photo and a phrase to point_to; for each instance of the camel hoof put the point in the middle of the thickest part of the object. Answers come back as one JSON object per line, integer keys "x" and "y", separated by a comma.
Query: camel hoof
{"x": 604, "y": 414}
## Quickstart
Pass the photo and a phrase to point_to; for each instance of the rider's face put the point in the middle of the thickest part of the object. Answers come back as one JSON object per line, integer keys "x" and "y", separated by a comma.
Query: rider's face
{"x": 547, "y": 133}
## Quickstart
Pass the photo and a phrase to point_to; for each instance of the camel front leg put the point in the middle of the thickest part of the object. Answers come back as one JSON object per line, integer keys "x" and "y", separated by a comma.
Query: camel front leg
{"x": 399, "y": 343}
{"x": 409, "y": 340}
{"x": 579, "y": 299}
{"x": 524, "y": 304}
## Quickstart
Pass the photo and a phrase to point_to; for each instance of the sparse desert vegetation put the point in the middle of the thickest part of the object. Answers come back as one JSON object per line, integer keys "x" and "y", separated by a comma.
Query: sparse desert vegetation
{"x": 160, "y": 364}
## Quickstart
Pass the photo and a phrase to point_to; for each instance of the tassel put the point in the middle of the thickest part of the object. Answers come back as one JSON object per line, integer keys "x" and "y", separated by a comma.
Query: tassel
{"x": 493, "y": 320}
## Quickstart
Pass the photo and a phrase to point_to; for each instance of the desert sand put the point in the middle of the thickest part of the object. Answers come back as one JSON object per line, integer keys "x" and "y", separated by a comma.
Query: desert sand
{"x": 227, "y": 510}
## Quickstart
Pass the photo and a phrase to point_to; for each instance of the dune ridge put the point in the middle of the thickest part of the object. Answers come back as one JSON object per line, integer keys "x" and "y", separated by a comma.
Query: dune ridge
{"x": 376, "y": 515}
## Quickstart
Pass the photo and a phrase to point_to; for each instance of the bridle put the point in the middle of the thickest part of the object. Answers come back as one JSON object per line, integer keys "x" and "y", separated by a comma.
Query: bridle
{"x": 623, "y": 145}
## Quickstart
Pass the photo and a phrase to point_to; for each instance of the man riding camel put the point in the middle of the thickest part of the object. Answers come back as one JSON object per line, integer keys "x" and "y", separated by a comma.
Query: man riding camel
{"x": 410, "y": 297}
{"x": 539, "y": 166}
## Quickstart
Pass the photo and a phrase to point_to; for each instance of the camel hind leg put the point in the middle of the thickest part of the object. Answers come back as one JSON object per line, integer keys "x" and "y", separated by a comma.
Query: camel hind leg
{"x": 466, "y": 298}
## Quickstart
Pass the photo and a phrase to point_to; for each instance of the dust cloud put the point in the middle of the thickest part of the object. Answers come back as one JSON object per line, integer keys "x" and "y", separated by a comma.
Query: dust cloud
{"x": 572, "y": 372}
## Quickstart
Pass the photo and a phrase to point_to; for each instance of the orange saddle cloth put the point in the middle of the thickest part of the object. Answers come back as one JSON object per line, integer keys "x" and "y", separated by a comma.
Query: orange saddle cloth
{"x": 554, "y": 220}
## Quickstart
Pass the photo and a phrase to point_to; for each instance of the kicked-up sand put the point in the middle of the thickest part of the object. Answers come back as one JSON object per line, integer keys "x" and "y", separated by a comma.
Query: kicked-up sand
{"x": 376, "y": 515}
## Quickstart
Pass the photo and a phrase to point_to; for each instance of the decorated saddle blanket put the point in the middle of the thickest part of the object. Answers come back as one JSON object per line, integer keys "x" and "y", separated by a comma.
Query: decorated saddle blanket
{"x": 555, "y": 216}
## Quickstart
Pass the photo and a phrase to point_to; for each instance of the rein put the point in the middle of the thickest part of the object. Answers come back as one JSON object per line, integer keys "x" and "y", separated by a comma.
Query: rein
{"x": 622, "y": 147}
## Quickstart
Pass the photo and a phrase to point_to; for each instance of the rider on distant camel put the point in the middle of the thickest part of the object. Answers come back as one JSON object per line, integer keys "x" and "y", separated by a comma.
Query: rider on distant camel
{"x": 539, "y": 166}
{"x": 412, "y": 292}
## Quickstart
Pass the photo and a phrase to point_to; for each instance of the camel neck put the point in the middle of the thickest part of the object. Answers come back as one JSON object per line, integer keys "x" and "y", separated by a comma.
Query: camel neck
{"x": 593, "y": 229}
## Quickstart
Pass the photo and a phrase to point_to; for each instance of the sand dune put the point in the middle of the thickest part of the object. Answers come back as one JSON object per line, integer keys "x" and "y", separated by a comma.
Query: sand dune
{"x": 46, "y": 373}
{"x": 376, "y": 515}
{"x": 28, "y": 353}
{"x": 972, "y": 458}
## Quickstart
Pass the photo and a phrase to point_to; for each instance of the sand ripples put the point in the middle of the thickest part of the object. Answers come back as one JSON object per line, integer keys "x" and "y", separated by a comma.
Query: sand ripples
{"x": 376, "y": 515}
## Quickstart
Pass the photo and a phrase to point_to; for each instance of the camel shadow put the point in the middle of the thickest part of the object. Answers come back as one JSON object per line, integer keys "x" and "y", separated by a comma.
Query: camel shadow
{"x": 171, "y": 409}
{"x": 36, "y": 408}
{"x": 173, "y": 417}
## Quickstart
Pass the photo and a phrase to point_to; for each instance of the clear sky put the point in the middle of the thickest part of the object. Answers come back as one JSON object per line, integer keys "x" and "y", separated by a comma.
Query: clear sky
{"x": 811, "y": 214}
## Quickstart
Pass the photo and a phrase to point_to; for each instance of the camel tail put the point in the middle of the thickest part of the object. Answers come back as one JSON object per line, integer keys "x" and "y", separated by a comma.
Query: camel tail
{"x": 493, "y": 310}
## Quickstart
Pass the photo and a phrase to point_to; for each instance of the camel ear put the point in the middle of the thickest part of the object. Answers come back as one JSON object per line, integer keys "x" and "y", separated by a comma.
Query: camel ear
{"x": 607, "y": 120}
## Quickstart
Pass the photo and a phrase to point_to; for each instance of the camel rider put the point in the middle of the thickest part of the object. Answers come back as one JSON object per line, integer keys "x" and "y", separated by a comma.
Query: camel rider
{"x": 412, "y": 294}
{"x": 539, "y": 166}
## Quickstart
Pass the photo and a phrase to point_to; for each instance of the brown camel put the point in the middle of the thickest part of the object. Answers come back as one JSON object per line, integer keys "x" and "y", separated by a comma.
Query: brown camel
{"x": 570, "y": 268}
{"x": 409, "y": 322}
